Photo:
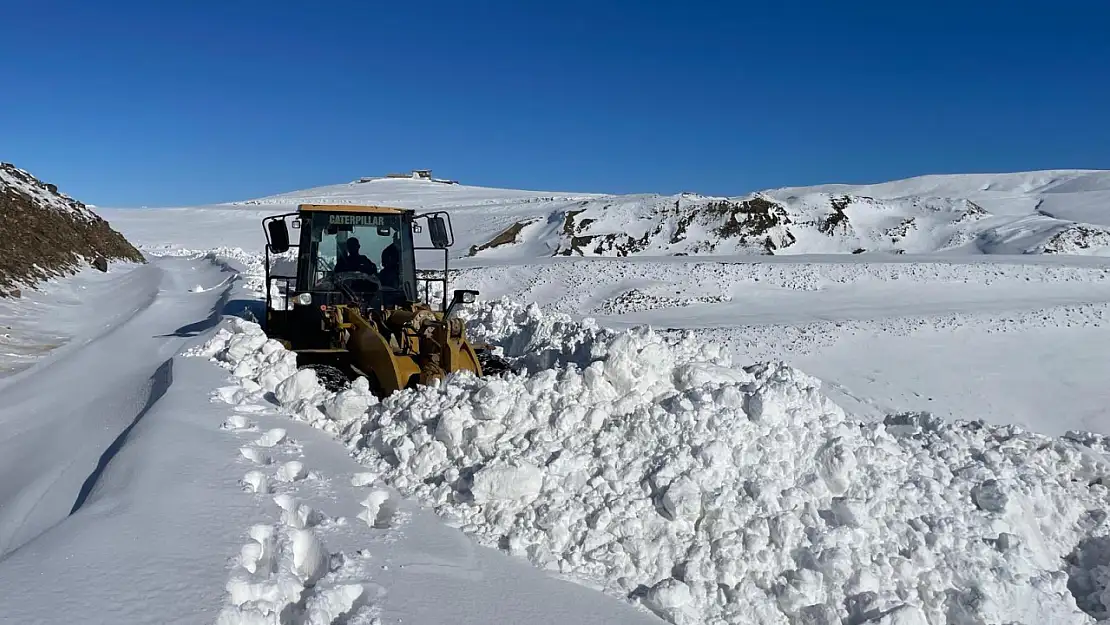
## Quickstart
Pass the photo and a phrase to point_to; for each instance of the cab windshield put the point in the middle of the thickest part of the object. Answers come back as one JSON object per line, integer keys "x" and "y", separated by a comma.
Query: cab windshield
{"x": 362, "y": 253}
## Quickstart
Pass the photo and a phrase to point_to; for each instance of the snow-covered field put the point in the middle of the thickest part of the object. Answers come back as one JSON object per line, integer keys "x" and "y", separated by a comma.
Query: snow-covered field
{"x": 809, "y": 437}
{"x": 1005, "y": 336}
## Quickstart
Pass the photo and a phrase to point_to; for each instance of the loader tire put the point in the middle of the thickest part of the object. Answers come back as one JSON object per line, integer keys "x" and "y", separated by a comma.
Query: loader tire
{"x": 331, "y": 378}
{"x": 492, "y": 365}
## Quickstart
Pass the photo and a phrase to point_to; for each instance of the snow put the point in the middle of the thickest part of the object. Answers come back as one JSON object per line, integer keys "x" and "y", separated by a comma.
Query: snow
{"x": 192, "y": 518}
{"x": 733, "y": 495}
{"x": 25, "y": 338}
{"x": 811, "y": 437}
{"x": 497, "y": 481}
{"x": 271, "y": 438}
{"x": 45, "y": 473}
{"x": 1017, "y": 213}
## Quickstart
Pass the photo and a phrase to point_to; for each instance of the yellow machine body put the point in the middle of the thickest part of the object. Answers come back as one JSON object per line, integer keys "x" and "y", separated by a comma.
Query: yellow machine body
{"x": 388, "y": 336}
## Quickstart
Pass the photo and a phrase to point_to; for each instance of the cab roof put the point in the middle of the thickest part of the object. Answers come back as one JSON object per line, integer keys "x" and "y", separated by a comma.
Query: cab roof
{"x": 351, "y": 208}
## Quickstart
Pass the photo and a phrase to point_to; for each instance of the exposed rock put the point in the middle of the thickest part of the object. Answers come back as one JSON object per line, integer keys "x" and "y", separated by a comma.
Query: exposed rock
{"x": 902, "y": 230}
{"x": 767, "y": 222}
{"x": 837, "y": 221}
{"x": 753, "y": 220}
{"x": 49, "y": 234}
{"x": 1075, "y": 238}
{"x": 973, "y": 212}
{"x": 756, "y": 223}
{"x": 507, "y": 236}
{"x": 571, "y": 228}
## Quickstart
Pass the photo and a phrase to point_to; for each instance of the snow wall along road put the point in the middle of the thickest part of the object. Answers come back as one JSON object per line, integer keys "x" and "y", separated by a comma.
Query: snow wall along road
{"x": 652, "y": 467}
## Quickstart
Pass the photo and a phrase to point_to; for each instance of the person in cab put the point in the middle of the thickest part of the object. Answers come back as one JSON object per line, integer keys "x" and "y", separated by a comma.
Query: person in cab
{"x": 354, "y": 261}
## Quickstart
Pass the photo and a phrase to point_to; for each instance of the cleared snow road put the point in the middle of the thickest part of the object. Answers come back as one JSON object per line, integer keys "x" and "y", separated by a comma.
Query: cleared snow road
{"x": 60, "y": 417}
{"x": 168, "y": 490}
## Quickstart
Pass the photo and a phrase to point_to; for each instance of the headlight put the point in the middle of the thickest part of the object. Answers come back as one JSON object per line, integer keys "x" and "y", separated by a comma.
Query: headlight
{"x": 304, "y": 299}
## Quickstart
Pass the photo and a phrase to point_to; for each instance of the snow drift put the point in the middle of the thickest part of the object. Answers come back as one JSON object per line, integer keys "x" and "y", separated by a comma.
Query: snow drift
{"x": 656, "y": 469}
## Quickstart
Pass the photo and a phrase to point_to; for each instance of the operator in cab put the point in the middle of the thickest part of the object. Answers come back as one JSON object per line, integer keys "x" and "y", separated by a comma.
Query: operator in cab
{"x": 391, "y": 265}
{"x": 354, "y": 261}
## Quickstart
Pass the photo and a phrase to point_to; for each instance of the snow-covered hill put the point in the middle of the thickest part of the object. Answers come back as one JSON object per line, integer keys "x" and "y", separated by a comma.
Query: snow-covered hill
{"x": 1074, "y": 194}
{"x": 1051, "y": 212}
{"x": 45, "y": 233}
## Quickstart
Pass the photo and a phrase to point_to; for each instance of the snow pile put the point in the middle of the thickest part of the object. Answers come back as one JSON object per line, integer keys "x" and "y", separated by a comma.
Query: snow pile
{"x": 655, "y": 469}
{"x": 264, "y": 369}
{"x": 532, "y": 337}
{"x": 277, "y": 575}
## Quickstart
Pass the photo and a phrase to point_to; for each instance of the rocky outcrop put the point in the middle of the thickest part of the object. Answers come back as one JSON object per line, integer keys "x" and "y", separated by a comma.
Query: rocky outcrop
{"x": 763, "y": 223}
{"x": 45, "y": 233}
{"x": 507, "y": 236}
{"x": 1077, "y": 239}
{"x": 755, "y": 225}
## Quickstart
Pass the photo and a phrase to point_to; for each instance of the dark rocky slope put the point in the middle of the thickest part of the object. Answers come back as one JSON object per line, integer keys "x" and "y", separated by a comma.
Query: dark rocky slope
{"x": 45, "y": 233}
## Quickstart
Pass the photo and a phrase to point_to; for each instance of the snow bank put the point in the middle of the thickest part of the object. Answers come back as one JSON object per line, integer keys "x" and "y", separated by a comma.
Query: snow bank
{"x": 265, "y": 370}
{"x": 249, "y": 266}
{"x": 654, "y": 468}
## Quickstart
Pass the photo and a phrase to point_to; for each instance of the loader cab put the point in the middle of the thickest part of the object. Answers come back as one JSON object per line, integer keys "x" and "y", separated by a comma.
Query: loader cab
{"x": 324, "y": 255}
{"x": 368, "y": 254}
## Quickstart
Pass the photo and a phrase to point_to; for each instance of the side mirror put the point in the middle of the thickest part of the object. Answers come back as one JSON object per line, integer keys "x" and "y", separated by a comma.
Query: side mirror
{"x": 279, "y": 236}
{"x": 437, "y": 230}
{"x": 461, "y": 296}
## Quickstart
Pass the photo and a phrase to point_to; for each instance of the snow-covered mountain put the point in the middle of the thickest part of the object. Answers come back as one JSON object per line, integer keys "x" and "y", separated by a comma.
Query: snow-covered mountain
{"x": 1045, "y": 212}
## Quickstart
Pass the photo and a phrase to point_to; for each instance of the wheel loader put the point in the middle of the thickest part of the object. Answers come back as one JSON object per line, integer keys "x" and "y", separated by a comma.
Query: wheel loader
{"x": 350, "y": 304}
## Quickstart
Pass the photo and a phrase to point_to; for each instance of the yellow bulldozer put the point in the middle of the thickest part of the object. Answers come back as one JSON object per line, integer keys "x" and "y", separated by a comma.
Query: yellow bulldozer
{"x": 351, "y": 304}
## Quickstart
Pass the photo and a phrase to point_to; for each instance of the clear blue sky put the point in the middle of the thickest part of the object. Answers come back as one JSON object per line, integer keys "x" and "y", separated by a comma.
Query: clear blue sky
{"x": 169, "y": 103}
